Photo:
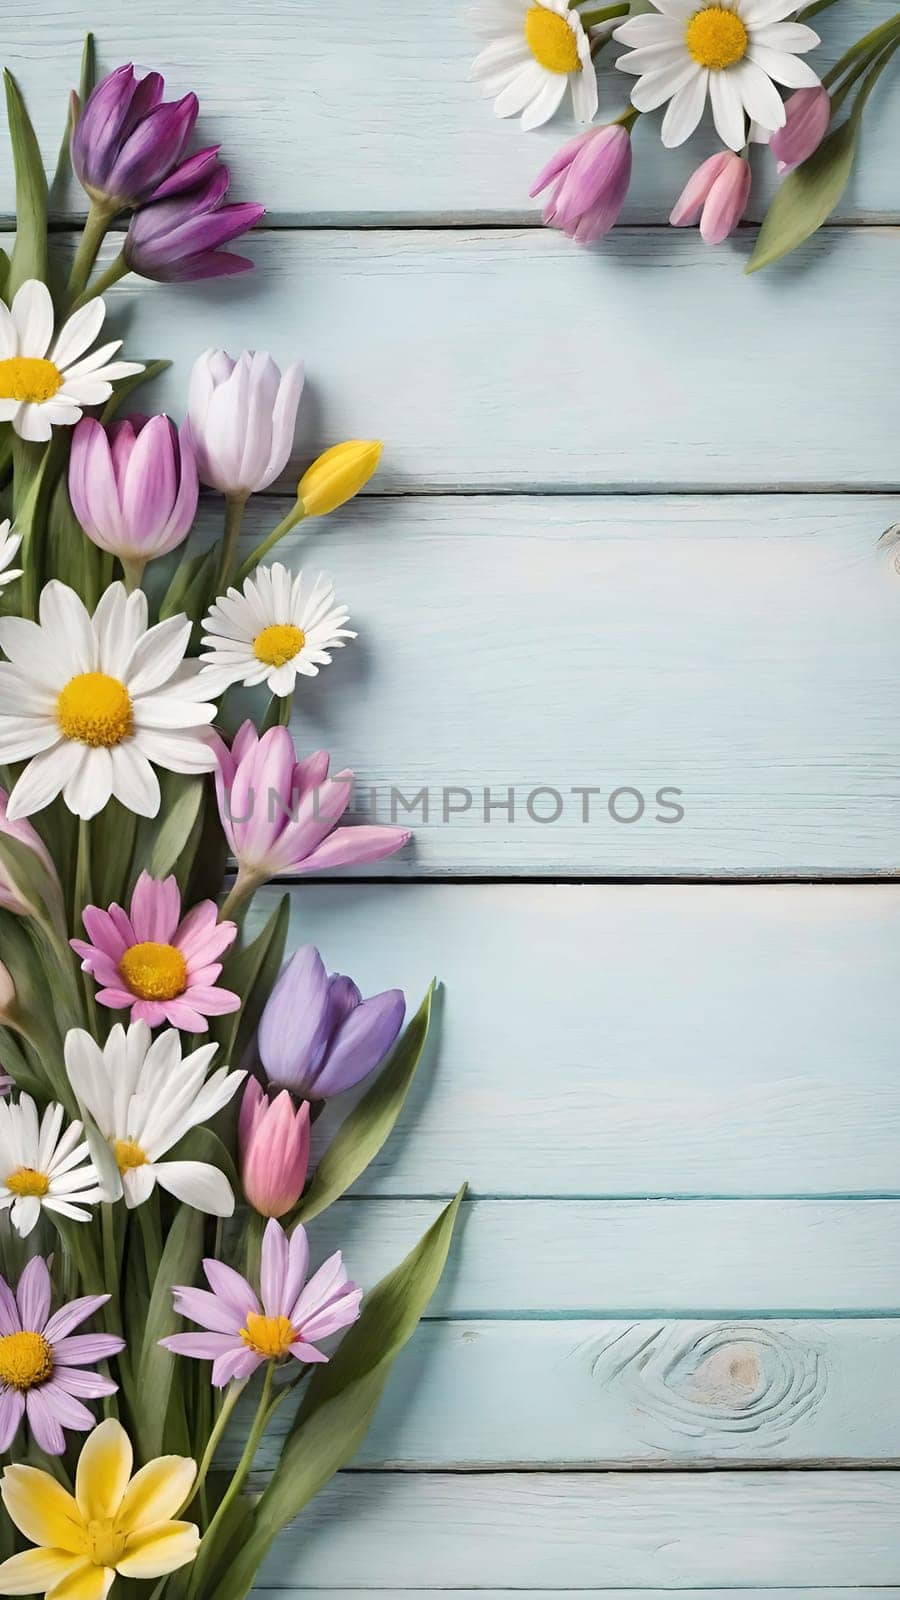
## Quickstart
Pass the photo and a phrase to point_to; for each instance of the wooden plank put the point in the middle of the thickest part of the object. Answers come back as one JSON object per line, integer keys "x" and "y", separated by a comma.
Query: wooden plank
{"x": 531, "y": 1531}
{"x": 452, "y": 347}
{"x": 881, "y": 1593}
{"x": 373, "y": 123}
{"x": 633, "y": 1258}
{"x": 728, "y": 648}
{"x": 631, "y": 1041}
{"x": 619, "y": 1394}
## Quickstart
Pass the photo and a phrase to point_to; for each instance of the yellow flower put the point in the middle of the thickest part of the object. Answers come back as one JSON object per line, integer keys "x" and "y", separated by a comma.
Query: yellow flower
{"x": 110, "y": 1525}
{"x": 337, "y": 475}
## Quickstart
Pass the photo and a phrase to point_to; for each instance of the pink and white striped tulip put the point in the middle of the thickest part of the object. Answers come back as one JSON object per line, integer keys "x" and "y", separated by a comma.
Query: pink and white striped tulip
{"x": 717, "y": 194}
{"x": 273, "y": 1138}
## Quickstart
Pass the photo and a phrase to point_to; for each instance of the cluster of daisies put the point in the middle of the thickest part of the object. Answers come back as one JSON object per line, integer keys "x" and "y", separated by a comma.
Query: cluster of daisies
{"x": 735, "y": 55}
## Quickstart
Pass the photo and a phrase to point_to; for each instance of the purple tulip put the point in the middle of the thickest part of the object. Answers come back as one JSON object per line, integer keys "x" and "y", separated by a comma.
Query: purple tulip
{"x": 717, "y": 194}
{"x": 133, "y": 487}
{"x": 318, "y": 1036}
{"x": 177, "y": 236}
{"x": 127, "y": 139}
{"x": 807, "y": 115}
{"x": 591, "y": 174}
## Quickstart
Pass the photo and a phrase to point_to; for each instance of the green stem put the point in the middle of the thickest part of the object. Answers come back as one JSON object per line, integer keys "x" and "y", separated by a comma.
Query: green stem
{"x": 264, "y": 1411}
{"x": 235, "y": 1390}
{"x": 628, "y": 118}
{"x": 295, "y": 515}
{"x": 83, "y": 896}
{"x": 244, "y": 887}
{"x": 151, "y": 1235}
{"x": 870, "y": 81}
{"x": 117, "y": 269}
{"x": 99, "y": 220}
{"x": 594, "y": 16}
{"x": 234, "y": 516}
{"x": 285, "y": 707}
{"x": 133, "y": 572}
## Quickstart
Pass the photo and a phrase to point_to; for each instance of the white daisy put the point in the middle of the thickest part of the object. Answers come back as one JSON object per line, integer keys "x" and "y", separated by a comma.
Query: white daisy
{"x": 737, "y": 50}
{"x": 40, "y": 1168}
{"x": 537, "y": 49}
{"x": 9, "y": 549}
{"x": 271, "y": 632}
{"x": 40, "y": 392}
{"x": 95, "y": 700}
{"x": 144, "y": 1098}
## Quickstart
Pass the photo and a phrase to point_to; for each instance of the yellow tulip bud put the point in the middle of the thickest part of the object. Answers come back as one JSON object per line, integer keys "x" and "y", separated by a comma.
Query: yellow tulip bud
{"x": 337, "y": 475}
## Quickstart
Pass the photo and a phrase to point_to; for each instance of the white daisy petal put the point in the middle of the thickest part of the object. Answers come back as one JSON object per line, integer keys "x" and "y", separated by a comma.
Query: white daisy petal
{"x": 500, "y": 54}
{"x": 756, "y": 13}
{"x": 655, "y": 88}
{"x": 649, "y": 28}
{"x": 32, "y": 424}
{"x": 32, "y": 313}
{"x": 685, "y": 110}
{"x": 9, "y": 339}
{"x": 760, "y": 96}
{"x": 545, "y": 104}
{"x": 790, "y": 36}
{"x": 78, "y": 333}
{"x": 727, "y": 109}
{"x": 785, "y": 69}
{"x": 90, "y": 784}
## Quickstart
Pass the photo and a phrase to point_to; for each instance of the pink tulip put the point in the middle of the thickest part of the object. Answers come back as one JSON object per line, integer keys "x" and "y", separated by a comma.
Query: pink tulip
{"x": 807, "y": 115}
{"x": 591, "y": 175}
{"x": 274, "y": 1145}
{"x": 133, "y": 487}
{"x": 280, "y": 814}
{"x": 717, "y": 193}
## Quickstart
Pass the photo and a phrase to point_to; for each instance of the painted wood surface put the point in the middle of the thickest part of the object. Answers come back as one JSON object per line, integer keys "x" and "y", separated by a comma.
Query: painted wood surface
{"x": 644, "y": 1258}
{"x": 489, "y": 359}
{"x": 884, "y": 1592}
{"x": 492, "y": 1395}
{"x": 513, "y": 651}
{"x": 339, "y": 116}
{"x": 669, "y": 1530}
{"x": 685, "y": 1040}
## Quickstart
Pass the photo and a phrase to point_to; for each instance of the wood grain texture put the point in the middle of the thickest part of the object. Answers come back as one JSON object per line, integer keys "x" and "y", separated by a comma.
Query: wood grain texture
{"x": 458, "y": 348}
{"x": 614, "y": 1041}
{"x": 884, "y": 1592}
{"x": 639, "y": 1394}
{"x": 669, "y": 1530}
{"x": 329, "y": 118}
{"x": 638, "y": 1258}
{"x": 727, "y": 648}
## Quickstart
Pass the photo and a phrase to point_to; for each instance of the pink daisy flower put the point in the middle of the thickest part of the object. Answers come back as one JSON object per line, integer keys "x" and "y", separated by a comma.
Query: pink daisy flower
{"x": 40, "y": 1363}
{"x": 241, "y": 1333}
{"x": 163, "y": 966}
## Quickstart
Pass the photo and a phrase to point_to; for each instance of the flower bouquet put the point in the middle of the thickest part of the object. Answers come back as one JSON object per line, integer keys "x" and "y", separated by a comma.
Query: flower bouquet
{"x": 736, "y": 54}
{"x": 163, "y": 1068}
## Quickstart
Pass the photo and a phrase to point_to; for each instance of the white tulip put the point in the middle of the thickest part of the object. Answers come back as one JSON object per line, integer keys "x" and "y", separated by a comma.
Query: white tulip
{"x": 241, "y": 416}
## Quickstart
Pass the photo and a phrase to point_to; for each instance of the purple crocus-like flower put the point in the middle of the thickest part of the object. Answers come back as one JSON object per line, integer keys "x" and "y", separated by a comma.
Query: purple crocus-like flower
{"x": 717, "y": 194}
{"x": 806, "y": 117}
{"x": 178, "y": 236}
{"x": 590, "y": 175}
{"x": 317, "y": 1035}
{"x": 128, "y": 140}
{"x": 41, "y": 1363}
{"x": 243, "y": 1330}
{"x": 133, "y": 487}
{"x": 280, "y": 814}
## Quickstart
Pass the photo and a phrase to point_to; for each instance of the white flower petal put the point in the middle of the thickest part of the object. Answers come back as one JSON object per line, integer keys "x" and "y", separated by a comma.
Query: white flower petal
{"x": 785, "y": 69}
{"x": 649, "y": 28}
{"x": 89, "y": 786}
{"x": 43, "y": 779}
{"x": 759, "y": 94}
{"x": 546, "y": 103}
{"x": 78, "y": 333}
{"x": 516, "y": 96}
{"x": 9, "y": 338}
{"x": 198, "y": 1185}
{"x": 30, "y": 422}
{"x": 656, "y": 87}
{"x": 32, "y": 313}
{"x": 685, "y": 110}
{"x": 727, "y": 109}
{"x": 134, "y": 783}
{"x": 790, "y": 36}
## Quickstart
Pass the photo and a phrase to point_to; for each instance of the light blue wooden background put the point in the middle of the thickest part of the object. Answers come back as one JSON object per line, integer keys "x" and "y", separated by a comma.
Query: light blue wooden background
{"x": 626, "y": 533}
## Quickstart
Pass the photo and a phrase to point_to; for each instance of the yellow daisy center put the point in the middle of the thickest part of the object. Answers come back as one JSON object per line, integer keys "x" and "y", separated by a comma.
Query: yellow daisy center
{"x": 26, "y": 1182}
{"x": 105, "y": 1544}
{"x": 128, "y": 1155}
{"x": 551, "y": 40}
{"x": 278, "y": 644}
{"x": 96, "y": 709}
{"x": 716, "y": 38}
{"x": 268, "y": 1336}
{"x": 25, "y": 1359}
{"x": 28, "y": 378}
{"x": 154, "y": 971}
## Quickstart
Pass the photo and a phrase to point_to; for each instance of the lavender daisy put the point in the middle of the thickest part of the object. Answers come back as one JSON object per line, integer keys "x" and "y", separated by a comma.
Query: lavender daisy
{"x": 41, "y": 1364}
{"x": 241, "y": 1334}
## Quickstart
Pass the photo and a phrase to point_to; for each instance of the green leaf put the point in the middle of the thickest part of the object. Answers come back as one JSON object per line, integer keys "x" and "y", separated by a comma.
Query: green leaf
{"x": 341, "y": 1400}
{"x": 156, "y": 1367}
{"x": 364, "y": 1131}
{"x": 182, "y": 806}
{"x": 112, "y": 854}
{"x": 29, "y": 257}
{"x": 86, "y": 83}
{"x": 807, "y": 197}
{"x": 70, "y": 555}
{"x": 190, "y": 586}
{"x": 251, "y": 972}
